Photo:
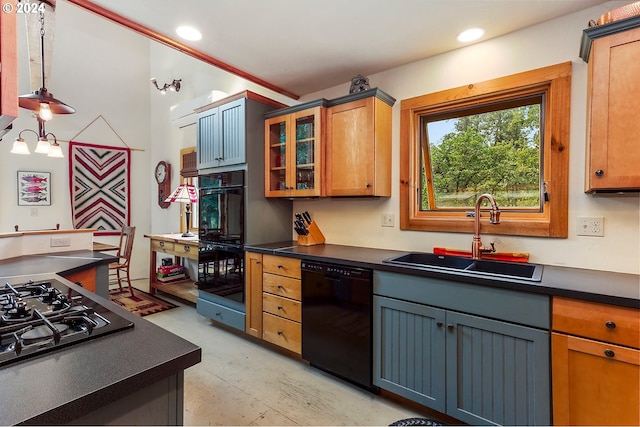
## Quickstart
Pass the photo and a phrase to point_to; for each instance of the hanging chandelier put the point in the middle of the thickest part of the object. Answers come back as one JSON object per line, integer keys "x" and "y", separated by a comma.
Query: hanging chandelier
{"x": 42, "y": 102}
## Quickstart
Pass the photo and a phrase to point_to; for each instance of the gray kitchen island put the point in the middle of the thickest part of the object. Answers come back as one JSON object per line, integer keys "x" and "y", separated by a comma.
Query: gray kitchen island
{"x": 132, "y": 376}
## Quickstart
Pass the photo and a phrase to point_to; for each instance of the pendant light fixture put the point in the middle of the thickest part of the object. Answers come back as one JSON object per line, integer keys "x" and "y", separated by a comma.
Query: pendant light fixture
{"x": 42, "y": 102}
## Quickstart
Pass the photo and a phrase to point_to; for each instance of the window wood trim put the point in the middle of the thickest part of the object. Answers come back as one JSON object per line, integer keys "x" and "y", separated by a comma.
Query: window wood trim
{"x": 553, "y": 221}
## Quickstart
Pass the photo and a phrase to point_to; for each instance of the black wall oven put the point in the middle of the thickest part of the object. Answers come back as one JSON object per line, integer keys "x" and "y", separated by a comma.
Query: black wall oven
{"x": 221, "y": 238}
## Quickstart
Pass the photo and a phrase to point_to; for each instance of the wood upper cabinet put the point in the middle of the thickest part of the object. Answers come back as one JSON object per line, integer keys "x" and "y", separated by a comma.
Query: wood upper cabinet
{"x": 613, "y": 130}
{"x": 358, "y": 153}
{"x": 294, "y": 144}
{"x": 8, "y": 71}
{"x": 595, "y": 363}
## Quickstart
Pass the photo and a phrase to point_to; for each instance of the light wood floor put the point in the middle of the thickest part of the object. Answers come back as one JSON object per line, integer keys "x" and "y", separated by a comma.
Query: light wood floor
{"x": 241, "y": 382}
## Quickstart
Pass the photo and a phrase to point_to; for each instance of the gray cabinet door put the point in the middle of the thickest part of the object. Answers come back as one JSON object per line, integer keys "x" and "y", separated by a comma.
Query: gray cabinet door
{"x": 207, "y": 137}
{"x": 497, "y": 372}
{"x": 232, "y": 140}
{"x": 222, "y": 135}
{"x": 408, "y": 350}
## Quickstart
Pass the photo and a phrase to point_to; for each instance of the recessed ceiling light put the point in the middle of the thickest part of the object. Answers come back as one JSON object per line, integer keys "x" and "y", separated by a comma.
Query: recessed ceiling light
{"x": 470, "y": 35}
{"x": 189, "y": 33}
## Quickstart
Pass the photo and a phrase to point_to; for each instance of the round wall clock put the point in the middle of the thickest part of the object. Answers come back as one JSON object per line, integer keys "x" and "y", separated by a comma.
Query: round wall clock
{"x": 163, "y": 178}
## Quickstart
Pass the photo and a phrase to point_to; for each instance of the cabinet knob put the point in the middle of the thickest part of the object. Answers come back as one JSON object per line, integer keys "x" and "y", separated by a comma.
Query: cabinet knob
{"x": 610, "y": 324}
{"x": 599, "y": 172}
{"x": 257, "y": 262}
{"x": 279, "y": 286}
{"x": 162, "y": 244}
{"x": 280, "y": 266}
{"x": 609, "y": 353}
{"x": 439, "y": 324}
{"x": 450, "y": 326}
{"x": 279, "y": 307}
{"x": 187, "y": 248}
{"x": 368, "y": 185}
{"x": 280, "y": 332}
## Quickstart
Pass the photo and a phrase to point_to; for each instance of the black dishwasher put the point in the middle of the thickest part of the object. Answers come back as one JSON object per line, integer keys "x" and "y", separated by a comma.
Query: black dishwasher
{"x": 336, "y": 321}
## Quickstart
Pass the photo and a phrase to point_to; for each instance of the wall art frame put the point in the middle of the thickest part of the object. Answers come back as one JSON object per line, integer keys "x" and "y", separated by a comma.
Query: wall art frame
{"x": 34, "y": 188}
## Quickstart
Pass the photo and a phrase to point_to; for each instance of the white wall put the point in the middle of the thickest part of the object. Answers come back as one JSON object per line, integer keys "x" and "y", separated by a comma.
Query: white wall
{"x": 357, "y": 222}
{"x": 98, "y": 68}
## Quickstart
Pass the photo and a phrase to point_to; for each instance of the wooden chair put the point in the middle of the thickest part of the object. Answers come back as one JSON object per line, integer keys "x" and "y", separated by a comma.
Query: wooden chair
{"x": 124, "y": 258}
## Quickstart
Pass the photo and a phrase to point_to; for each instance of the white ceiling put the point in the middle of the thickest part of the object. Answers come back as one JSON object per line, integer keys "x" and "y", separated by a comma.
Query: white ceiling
{"x": 304, "y": 46}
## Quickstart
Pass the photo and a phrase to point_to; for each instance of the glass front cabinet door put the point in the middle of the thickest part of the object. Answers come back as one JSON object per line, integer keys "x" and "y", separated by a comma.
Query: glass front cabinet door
{"x": 293, "y": 157}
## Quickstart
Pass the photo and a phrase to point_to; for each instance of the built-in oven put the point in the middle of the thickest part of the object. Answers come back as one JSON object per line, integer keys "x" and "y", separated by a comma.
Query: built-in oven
{"x": 221, "y": 238}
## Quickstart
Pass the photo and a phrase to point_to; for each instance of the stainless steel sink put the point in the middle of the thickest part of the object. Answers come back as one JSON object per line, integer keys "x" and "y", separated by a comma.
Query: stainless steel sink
{"x": 468, "y": 266}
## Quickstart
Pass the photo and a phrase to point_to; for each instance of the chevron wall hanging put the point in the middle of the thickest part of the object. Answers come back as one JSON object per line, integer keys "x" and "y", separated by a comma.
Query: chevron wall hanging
{"x": 99, "y": 184}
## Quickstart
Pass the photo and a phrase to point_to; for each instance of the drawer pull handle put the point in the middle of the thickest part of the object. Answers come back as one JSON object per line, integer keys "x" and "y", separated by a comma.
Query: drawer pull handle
{"x": 280, "y": 287}
{"x": 279, "y": 307}
{"x": 439, "y": 324}
{"x": 280, "y": 266}
{"x": 280, "y": 332}
{"x": 609, "y": 353}
{"x": 257, "y": 262}
{"x": 610, "y": 324}
{"x": 218, "y": 314}
{"x": 450, "y": 326}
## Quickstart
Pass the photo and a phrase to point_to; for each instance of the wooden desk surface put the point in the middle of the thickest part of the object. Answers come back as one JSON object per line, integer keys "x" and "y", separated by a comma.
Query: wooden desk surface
{"x": 172, "y": 237}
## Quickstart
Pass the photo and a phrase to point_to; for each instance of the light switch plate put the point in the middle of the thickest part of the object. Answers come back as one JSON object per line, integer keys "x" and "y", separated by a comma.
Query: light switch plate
{"x": 388, "y": 220}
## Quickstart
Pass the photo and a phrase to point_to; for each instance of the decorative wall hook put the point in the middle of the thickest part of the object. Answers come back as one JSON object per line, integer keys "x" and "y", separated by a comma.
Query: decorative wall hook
{"x": 174, "y": 85}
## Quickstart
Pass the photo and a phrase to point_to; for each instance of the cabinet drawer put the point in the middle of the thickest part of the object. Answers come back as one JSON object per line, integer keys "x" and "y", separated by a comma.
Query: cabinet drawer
{"x": 162, "y": 246}
{"x": 282, "y": 286}
{"x": 283, "y": 307}
{"x": 283, "y": 266}
{"x": 619, "y": 325}
{"x": 282, "y": 332}
{"x": 220, "y": 313}
{"x": 186, "y": 251}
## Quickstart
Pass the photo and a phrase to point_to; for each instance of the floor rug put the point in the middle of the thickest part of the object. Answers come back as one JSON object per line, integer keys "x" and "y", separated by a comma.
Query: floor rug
{"x": 141, "y": 303}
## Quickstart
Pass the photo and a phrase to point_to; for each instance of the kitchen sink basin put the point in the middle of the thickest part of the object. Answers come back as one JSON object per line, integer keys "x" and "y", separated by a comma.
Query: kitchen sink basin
{"x": 468, "y": 266}
{"x": 431, "y": 260}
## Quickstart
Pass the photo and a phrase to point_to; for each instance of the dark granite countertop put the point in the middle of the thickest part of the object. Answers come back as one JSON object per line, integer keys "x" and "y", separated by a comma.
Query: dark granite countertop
{"x": 591, "y": 285}
{"x": 60, "y": 262}
{"x": 61, "y": 385}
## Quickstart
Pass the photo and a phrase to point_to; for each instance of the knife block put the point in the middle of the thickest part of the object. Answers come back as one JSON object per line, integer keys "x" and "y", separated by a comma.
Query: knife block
{"x": 315, "y": 236}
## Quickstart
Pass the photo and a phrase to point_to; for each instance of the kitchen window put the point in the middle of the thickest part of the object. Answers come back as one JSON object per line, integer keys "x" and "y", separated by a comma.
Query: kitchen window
{"x": 508, "y": 137}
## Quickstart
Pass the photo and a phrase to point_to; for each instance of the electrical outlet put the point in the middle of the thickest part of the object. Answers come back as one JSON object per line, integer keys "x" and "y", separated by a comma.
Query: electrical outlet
{"x": 590, "y": 226}
{"x": 57, "y": 242}
{"x": 388, "y": 220}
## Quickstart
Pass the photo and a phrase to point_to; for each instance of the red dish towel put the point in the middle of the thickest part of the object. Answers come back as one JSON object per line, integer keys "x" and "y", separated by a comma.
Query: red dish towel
{"x": 497, "y": 256}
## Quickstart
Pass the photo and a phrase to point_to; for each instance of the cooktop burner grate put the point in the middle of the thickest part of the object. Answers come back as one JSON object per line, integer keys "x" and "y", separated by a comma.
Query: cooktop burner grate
{"x": 36, "y": 317}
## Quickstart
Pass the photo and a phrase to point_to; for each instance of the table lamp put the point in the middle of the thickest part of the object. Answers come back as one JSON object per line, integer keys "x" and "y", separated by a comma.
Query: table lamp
{"x": 185, "y": 193}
